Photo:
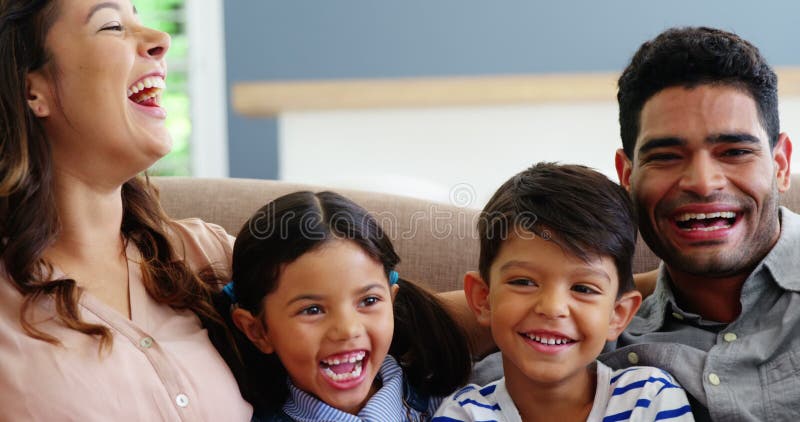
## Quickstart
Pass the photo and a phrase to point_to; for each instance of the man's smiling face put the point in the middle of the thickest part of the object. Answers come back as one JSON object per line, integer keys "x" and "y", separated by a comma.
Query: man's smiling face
{"x": 704, "y": 180}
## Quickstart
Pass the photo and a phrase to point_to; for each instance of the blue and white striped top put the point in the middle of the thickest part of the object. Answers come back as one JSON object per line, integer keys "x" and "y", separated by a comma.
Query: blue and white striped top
{"x": 386, "y": 405}
{"x": 638, "y": 393}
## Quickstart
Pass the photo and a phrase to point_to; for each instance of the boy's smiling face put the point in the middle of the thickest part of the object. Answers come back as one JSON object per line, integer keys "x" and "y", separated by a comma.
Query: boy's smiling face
{"x": 550, "y": 312}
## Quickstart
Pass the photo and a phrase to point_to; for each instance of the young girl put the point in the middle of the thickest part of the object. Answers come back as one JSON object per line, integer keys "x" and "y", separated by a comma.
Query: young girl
{"x": 330, "y": 330}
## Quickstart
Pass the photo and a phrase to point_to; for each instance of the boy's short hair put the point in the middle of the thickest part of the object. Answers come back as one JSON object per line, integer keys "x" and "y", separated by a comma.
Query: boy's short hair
{"x": 579, "y": 208}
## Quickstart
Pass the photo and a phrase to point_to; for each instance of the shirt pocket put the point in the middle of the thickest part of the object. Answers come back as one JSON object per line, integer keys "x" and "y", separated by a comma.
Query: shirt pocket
{"x": 780, "y": 382}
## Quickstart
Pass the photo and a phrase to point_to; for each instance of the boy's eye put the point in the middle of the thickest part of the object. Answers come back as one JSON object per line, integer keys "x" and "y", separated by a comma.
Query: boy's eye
{"x": 582, "y": 288}
{"x": 370, "y": 301}
{"x": 522, "y": 282}
{"x": 311, "y": 310}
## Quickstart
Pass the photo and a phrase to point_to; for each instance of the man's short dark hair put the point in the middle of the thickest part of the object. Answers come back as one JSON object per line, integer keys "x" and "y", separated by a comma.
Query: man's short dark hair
{"x": 580, "y": 209}
{"x": 688, "y": 57}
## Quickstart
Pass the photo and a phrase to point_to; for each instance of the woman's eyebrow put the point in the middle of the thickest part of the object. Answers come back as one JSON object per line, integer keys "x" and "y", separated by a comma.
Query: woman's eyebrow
{"x": 104, "y": 5}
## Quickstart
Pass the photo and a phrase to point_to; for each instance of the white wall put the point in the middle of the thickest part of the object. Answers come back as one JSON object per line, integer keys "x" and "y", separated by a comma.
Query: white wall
{"x": 457, "y": 155}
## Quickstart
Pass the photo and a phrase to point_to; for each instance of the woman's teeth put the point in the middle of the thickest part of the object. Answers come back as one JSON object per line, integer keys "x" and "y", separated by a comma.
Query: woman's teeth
{"x": 148, "y": 82}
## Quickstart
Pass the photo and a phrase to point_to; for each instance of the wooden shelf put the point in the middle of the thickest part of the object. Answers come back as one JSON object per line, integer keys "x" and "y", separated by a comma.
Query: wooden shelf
{"x": 267, "y": 99}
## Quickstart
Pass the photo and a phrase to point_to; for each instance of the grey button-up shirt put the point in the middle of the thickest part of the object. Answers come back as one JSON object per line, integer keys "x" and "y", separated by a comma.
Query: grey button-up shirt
{"x": 748, "y": 370}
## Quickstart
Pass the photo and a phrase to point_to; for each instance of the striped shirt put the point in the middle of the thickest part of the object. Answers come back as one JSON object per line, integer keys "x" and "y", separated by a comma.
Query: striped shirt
{"x": 386, "y": 405}
{"x": 639, "y": 393}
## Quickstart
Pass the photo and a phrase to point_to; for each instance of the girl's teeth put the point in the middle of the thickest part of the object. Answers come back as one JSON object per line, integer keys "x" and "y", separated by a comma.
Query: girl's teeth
{"x": 343, "y": 377}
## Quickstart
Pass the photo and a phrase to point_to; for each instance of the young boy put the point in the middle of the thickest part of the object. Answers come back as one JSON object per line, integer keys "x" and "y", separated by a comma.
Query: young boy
{"x": 555, "y": 284}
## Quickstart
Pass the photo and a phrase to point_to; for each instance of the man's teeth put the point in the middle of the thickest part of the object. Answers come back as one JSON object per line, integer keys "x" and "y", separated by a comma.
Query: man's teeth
{"x": 700, "y": 216}
{"x": 549, "y": 340}
{"x": 148, "y": 82}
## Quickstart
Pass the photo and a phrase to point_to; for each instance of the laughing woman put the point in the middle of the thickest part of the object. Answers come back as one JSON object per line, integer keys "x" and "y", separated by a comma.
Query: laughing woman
{"x": 100, "y": 298}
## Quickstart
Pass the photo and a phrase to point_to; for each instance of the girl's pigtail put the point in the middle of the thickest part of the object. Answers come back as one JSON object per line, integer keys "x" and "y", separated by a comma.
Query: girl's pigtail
{"x": 260, "y": 376}
{"x": 428, "y": 343}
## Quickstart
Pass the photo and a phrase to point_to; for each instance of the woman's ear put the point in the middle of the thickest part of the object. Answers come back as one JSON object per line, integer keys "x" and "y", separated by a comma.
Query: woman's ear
{"x": 477, "y": 292}
{"x": 253, "y": 329}
{"x": 624, "y": 309}
{"x": 37, "y": 93}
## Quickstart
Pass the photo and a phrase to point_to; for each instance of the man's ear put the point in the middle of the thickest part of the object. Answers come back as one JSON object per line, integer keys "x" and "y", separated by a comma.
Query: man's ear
{"x": 782, "y": 156}
{"x": 477, "y": 292}
{"x": 624, "y": 167}
{"x": 624, "y": 309}
{"x": 253, "y": 329}
{"x": 37, "y": 93}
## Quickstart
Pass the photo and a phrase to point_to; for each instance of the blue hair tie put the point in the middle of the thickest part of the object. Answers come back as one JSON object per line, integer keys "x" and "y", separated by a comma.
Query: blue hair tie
{"x": 228, "y": 290}
{"x": 393, "y": 277}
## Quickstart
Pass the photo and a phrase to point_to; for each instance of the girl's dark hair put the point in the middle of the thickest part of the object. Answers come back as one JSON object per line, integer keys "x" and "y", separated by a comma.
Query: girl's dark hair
{"x": 29, "y": 221}
{"x": 429, "y": 345}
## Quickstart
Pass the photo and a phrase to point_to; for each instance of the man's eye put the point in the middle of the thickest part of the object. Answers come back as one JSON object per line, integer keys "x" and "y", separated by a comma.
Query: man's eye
{"x": 661, "y": 157}
{"x": 737, "y": 152}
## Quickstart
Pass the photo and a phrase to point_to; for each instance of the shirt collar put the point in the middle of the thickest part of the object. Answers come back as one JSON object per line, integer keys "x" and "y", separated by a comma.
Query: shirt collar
{"x": 302, "y": 406}
{"x": 779, "y": 262}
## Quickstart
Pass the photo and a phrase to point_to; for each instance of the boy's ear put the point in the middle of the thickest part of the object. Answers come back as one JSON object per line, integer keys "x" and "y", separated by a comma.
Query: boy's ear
{"x": 624, "y": 309}
{"x": 253, "y": 329}
{"x": 477, "y": 292}
{"x": 37, "y": 93}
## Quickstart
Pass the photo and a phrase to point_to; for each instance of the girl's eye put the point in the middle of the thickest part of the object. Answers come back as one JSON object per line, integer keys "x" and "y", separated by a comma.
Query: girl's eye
{"x": 581, "y": 288}
{"x": 370, "y": 301}
{"x": 311, "y": 310}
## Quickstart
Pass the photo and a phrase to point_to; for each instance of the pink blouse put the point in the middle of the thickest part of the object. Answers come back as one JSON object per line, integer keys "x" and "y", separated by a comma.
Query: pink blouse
{"x": 161, "y": 367}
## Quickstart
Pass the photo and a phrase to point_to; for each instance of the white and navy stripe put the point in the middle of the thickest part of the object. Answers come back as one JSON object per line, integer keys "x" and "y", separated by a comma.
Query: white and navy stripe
{"x": 633, "y": 394}
{"x": 385, "y": 405}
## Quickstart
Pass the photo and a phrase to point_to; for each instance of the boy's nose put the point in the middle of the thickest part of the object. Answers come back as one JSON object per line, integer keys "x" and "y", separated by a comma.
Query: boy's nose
{"x": 551, "y": 304}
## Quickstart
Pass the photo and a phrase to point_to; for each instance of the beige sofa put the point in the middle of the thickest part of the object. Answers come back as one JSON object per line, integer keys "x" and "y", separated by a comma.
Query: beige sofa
{"x": 437, "y": 242}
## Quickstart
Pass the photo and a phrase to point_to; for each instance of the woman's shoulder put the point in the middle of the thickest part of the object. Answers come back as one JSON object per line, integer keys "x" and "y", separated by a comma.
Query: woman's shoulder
{"x": 200, "y": 244}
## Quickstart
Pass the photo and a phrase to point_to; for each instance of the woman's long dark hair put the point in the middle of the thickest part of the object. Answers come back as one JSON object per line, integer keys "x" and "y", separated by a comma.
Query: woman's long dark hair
{"x": 429, "y": 345}
{"x": 29, "y": 221}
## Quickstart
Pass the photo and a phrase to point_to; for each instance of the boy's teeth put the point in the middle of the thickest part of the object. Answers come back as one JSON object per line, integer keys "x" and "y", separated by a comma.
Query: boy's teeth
{"x": 549, "y": 340}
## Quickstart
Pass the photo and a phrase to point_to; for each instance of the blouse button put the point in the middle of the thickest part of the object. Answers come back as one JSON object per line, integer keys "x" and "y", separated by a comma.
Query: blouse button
{"x": 633, "y": 358}
{"x": 146, "y": 342}
{"x": 713, "y": 379}
{"x": 729, "y": 337}
{"x": 181, "y": 400}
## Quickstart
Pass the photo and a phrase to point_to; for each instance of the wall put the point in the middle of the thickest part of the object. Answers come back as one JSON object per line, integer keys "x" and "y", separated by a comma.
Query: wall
{"x": 304, "y": 39}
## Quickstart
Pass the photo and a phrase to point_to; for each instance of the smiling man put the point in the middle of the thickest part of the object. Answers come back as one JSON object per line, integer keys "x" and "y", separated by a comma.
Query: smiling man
{"x": 705, "y": 164}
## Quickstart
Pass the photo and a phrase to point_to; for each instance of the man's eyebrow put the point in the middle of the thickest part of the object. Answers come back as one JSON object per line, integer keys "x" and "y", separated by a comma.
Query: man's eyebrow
{"x": 726, "y": 138}
{"x": 654, "y": 143}
{"x": 98, "y": 6}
